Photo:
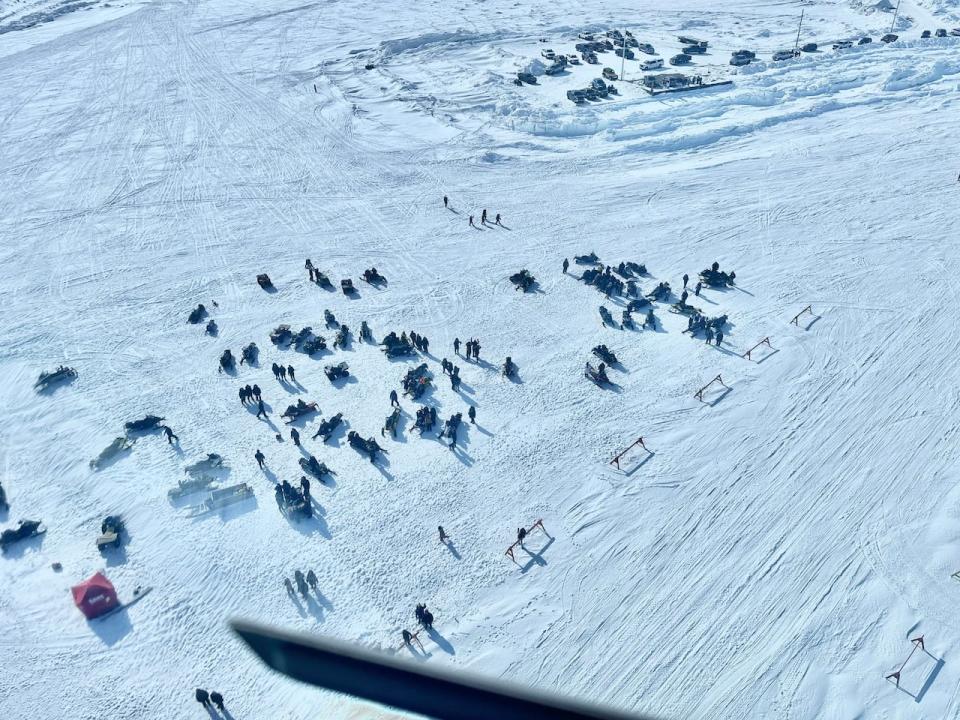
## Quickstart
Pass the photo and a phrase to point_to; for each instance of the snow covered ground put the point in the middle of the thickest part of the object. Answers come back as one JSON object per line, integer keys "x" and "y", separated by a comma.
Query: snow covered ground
{"x": 771, "y": 558}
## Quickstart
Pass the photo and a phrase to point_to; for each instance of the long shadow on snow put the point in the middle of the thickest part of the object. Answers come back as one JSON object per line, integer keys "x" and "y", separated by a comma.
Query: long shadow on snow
{"x": 113, "y": 629}
{"x": 19, "y": 548}
{"x": 536, "y": 558}
{"x": 718, "y": 398}
{"x": 441, "y": 641}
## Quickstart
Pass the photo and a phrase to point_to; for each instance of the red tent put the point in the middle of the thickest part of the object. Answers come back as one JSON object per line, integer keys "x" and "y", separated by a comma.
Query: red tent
{"x": 95, "y": 596}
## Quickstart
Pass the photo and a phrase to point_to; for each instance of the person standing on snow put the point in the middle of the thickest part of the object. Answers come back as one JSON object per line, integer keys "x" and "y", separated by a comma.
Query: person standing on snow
{"x": 566, "y": 266}
{"x": 472, "y": 414}
{"x": 394, "y": 400}
{"x": 445, "y": 201}
{"x": 260, "y": 457}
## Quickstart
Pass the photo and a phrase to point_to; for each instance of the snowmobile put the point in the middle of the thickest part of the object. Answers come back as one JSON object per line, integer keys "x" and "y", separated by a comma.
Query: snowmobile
{"x": 327, "y": 427}
{"x": 197, "y": 315}
{"x": 264, "y": 281}
{"x": 322, "y": 279}
{"x": 211, "y": 462}
{"x": 682, "y": 308}
{"x": 281, "y": 335}
{"x": 316, "y": 468}
{"x": 249, "y": 354}
{"x": 390, "y": 424}
{"x": 451, "y": 426}
{"x": 523, "y": 280}
{"x": 342, "y": 338}
{"x": 330, "y": 319}
{"x": 606, "y": 317}
{"x": 394, "y": 346}
{"x": 590, "y": 259}
{"x": 190, "y": 486}
{"x": 227, "y": 361}
{"x": 336, "y": 372}
{"x": 373, "y": 277}
{"x": 368, "y": 446}
{"x": 49, "y": 379}
{"x": 120, "y": 444}
{"x": 637, "y": 304}
{"x": 346, "y": 285}
{"x": 605, "y": 354}
{"x": 146, "y": 423}
{"x": 714, "y": 277}
{"x": 416, "y": 381}
{"x": 424, "y": 420}
{"x": 111, "y": 532}
{"x": 661, "y": 292}
{"x": 597, "y": 374}
{"x": 299, "y": 410}
{"x": 25, "y": 529}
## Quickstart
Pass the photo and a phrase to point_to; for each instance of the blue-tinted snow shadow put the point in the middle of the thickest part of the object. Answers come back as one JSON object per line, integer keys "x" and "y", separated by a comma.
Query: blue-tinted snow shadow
{"x": 931, "y": 676}
{"x": 20, "y": 548}
{"x": 113, "y": 629}
{"x": 453, "y": 549}
{"x": 717, "y": 398}
{"x": 536, "y": 558}
{"x": 813, "y": 322}
{"x": 441, "y": 641}
{"x": 767, "y": 356}
{"x": 639, "y": 464}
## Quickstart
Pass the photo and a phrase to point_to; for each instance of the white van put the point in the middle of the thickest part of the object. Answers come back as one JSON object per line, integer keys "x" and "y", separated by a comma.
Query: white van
{"x": 651, "y": 64}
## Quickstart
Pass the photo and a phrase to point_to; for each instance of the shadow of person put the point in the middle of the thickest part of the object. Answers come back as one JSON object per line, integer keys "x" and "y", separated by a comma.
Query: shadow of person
{"x": 441, "y": 641}
{"x": 453, "y": 549}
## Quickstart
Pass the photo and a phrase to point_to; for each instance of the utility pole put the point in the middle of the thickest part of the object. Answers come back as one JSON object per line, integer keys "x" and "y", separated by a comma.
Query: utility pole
{"x": 623, "y": 55}
{"x": 895, "y": 13}
{"x": 796, "y": 45}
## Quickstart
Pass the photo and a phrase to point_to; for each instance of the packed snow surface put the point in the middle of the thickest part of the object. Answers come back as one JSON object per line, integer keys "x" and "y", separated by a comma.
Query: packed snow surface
{"x": 772, "y": 556}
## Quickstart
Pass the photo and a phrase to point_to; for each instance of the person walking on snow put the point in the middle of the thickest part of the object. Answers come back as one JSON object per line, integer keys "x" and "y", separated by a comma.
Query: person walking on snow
{"x": 260, "y": 457}
{"x": 394, "y": 400}
{"x": 483, "y": 217}
{"x": 566, "y": 266}
{"x": 471, "y": 221}
{"x": 697, "y": 290}
{"x": 445, "y": 201}
{"x": 291, "y": 373}
{"x": 443, "y": 536}
{"x": 203, "y": 697}
{"x": 456, "y": 346}
{"x": 472, "y": 414}
{"x": 256, "y": 392}
{"x": 295, "y": 436}
{"x": 283, "y": 373}
{"x": 496, "y": 220}
{"x": 169, "y": 433}
{"x": 719, "y": 337}
{"x": 261, "y": 410}
{"x": 686, "y": 279}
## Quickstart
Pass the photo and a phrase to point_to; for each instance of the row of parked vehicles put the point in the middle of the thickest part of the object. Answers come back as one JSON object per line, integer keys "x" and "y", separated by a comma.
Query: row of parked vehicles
{"x": 596, "y": 90}
{"x": 738, "y": 59}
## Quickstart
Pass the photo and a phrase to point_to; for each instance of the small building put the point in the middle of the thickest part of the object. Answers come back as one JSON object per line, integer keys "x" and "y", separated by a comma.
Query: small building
{"x": 666, "y": 81}
{"x": 95, "y": 596}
